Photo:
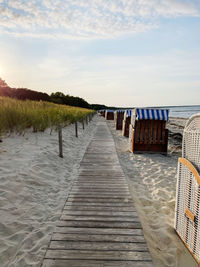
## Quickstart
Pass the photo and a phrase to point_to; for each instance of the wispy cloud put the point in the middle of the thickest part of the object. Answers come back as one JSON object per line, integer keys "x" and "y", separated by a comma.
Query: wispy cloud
{"x": 88, "y": 19}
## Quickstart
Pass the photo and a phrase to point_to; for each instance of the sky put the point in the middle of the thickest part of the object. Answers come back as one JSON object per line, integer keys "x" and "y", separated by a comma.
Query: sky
{"x": 113, "y": 52}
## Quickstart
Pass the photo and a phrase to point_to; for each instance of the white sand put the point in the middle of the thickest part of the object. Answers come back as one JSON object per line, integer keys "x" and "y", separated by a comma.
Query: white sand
{"x": 34, "y": 184}
{"x": 152, "y": 179}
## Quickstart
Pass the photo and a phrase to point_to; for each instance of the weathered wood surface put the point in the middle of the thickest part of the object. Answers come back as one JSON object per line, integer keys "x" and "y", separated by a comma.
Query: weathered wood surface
{"x": 99, "y": 225}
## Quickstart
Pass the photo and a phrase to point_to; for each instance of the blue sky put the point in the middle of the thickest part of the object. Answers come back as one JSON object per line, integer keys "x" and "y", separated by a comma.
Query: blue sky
{"x": 115, "y": 52}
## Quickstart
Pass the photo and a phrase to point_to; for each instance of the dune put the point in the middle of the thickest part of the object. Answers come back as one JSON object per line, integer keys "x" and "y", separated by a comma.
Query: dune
{"x": 34, "y": 185}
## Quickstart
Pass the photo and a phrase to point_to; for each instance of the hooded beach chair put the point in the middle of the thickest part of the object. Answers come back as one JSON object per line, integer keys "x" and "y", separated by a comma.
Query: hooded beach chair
{"x": 147, "y": 132}
{"x": 102, "y": 113}
{"x": 187, "y": 210}
{"x": 126, "y": 122}
{"x": 118, "y": 117}
{"x": 109, "y": 115}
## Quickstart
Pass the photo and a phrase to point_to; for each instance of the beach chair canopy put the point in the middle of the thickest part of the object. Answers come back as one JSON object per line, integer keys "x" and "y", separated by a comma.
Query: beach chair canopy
{"x": 128, "y": 112}
{"x": 151, "y": 114}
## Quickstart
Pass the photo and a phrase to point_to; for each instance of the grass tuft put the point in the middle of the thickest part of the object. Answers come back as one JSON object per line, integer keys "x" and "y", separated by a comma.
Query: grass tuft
{"x": 17, "y": 115}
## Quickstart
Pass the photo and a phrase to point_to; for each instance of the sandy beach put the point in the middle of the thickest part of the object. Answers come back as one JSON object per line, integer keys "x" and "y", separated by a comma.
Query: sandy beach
{"x": 152, "y": 180}
{"x": 34, "y": 184}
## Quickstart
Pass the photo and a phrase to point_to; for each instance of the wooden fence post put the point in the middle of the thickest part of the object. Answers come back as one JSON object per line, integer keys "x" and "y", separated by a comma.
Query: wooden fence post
{"x": 83, "y": 124}
{"x": 86, "y": 120}
{"x": 76, "y": 129}
{"x": 60, "y": 141}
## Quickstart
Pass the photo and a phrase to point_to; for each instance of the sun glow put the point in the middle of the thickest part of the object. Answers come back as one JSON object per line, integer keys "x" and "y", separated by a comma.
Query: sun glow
{"x": 1, "y": 71}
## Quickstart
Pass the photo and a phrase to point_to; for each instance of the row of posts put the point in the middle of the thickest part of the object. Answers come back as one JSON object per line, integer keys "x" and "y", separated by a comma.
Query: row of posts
{"x": 87, "y": 119}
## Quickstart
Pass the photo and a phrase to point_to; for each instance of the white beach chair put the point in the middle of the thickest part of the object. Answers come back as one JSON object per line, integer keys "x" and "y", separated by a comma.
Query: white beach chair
{"x": 187, "y": 211}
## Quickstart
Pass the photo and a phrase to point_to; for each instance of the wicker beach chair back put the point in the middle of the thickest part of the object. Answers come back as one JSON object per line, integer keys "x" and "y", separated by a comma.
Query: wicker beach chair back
{"x": 191, "y": 141}
{"x": 187, "y": 211}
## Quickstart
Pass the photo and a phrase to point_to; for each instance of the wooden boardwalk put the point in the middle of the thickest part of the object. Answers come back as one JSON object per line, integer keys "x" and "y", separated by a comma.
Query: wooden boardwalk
{"x": 99, "y": 226}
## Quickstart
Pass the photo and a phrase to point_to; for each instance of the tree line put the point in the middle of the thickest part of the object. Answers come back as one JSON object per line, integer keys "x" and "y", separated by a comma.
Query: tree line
{"x": 58, "y": 97}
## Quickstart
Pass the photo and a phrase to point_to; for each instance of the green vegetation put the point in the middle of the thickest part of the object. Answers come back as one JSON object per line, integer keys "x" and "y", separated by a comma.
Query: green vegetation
{"x": 17, "y": 115}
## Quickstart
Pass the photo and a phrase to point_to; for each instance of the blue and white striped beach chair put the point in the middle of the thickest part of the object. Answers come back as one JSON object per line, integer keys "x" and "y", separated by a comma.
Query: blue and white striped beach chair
{"x": 126, "y": 122}
{"x": 148, "y": 131}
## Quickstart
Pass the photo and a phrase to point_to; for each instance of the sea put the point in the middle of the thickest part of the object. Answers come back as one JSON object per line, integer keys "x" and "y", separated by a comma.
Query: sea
{"x": 183, "y": 111}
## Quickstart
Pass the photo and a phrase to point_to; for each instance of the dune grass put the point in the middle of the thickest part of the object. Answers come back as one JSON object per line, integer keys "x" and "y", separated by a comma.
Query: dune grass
{"x": 17, "y": 115}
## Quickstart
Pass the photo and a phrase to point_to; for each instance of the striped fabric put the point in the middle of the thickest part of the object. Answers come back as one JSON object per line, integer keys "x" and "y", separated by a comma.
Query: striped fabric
{"x": 128, "y": 112}
{"x": 152, "y": 114}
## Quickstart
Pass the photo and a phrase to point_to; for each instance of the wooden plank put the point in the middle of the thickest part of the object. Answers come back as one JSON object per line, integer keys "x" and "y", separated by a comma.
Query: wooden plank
{"x": 94, "y": 263}
{"x": 98, "y": 218}
{"x": 151, "y": 132}
{"x": 98, "y": 204}
{"x": 99, "y": 196}
{"x": 100, "y": 200}
{"x": 99, "y": 168}
{"x": 109, "y": 178}
{"x": 99, "y": 238}
{"x": 100, "y": 182}
{"x": 112, "y": 179}
{"x": 69, "y": 245}
{"x": 142, "y": 132}
{"x": 102, "y": 175}
{"x": 97, "y": 208}
{"x": 97, "y": 188}
{"x": 155, "y": 132}
{"x": 159, "y": 141}
{"x": 95, "y": 163}
{"x": 163, "y": 132}
{"x": 146, "y": 132}
{"x": 98, "y": 255}
{"x": 100, "y": 213}
{"x": 93, "y": 224}
{"x": 97, "y": 231}
{"x": 99, "y": 192}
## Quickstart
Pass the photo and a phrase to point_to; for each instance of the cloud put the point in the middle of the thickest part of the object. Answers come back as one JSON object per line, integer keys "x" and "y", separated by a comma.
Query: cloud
{"x": 88, "y": 19}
